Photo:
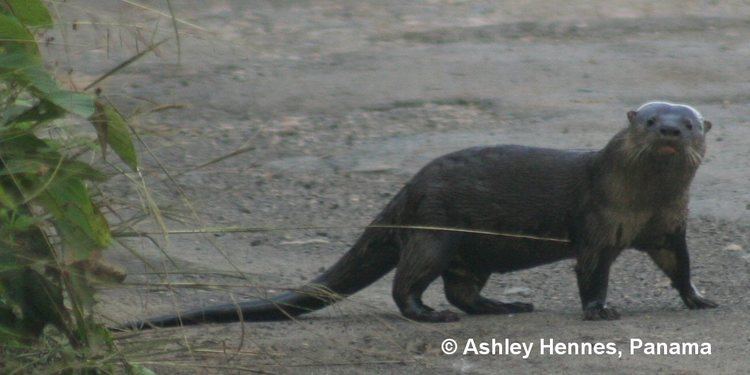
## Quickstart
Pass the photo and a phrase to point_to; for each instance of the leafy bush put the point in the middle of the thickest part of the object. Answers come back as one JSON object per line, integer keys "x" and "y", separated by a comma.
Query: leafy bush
{"x": 51, "y": 229}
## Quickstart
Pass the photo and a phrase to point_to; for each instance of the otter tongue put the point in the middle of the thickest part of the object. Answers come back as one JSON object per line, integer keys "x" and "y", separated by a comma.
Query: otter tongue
{"x": 667, "y": 150}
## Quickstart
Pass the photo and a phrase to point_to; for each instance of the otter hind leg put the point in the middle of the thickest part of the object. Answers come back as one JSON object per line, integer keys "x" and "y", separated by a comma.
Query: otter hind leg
{"x": 423, "y": 259}
{"x": 462, "y": 288}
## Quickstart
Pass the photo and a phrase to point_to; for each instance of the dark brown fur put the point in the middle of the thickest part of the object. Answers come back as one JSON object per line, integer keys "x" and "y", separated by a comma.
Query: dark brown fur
{"x": 631, "y": 194}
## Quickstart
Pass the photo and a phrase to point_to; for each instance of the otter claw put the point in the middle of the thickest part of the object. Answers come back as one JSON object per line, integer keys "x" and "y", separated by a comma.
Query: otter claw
{"x": 695, "y": 302}
{"x": 444, "y": 316}
{"x": 432, "y": 316}
{"x": 601, "y": 313}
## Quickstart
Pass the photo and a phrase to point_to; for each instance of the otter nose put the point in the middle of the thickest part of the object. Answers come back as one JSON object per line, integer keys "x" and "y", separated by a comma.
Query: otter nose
{"x": 669, "y": 131}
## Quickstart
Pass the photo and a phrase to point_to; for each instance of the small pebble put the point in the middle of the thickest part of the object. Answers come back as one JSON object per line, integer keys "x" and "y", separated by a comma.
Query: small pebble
{"x": 733, "y": 247}
{"x": 519, "y": 290}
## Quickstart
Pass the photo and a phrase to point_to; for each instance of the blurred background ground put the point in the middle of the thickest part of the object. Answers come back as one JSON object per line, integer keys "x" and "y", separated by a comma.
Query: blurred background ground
{"x": 340, "y": 102}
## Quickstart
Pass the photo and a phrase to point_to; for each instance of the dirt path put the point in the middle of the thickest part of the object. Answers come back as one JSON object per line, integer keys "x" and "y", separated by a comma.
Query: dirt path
{"x": 342, "y": 102}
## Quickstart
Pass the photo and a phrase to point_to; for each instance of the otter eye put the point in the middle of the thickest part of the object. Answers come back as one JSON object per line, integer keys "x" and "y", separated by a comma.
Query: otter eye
{"x": 688, "y": 125}
{"x": 651, "y": 122}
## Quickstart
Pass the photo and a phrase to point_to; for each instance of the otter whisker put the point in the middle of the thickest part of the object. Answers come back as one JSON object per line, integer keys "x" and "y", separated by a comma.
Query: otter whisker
{"x": 635, "y": 156}
{"x": 695, "y": 157}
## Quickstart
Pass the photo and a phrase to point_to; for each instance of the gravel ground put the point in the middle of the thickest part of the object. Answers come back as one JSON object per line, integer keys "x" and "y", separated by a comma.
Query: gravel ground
{"x": 337, "y": 103}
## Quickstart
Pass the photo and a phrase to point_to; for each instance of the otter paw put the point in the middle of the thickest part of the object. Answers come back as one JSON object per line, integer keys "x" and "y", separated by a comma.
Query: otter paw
{"x": 601, "y": 313}
{"x": 519, "y": 307}
{"x": 695, "y": 302}
{"x": 488, "y": 306}
{"x": 444, "y": 316}
{"x": 432, "y": 316}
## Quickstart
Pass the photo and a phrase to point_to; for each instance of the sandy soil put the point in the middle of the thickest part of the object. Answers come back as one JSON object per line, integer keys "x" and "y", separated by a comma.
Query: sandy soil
{"x": 340, "y": 102}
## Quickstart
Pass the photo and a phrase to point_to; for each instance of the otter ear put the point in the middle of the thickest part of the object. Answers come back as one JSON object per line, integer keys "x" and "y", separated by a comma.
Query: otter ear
{"x": 707, "y": 126}
{"x": 631, "y": 117}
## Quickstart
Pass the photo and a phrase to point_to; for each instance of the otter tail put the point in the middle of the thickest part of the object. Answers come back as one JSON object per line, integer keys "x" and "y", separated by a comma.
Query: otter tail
{"x": 373, "y": 256}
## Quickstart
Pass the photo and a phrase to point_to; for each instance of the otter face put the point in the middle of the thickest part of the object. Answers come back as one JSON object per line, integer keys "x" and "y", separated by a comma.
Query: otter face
{"x": 667, "y": 130}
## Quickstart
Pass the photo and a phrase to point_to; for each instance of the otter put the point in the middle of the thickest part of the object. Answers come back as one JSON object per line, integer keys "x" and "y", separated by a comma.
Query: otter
{"x": 556, "y": 204}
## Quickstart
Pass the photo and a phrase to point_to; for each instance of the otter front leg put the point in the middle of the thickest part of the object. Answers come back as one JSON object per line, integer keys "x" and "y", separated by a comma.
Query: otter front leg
{"x": 592, "y": 271}
{"x": 674, "y": 260}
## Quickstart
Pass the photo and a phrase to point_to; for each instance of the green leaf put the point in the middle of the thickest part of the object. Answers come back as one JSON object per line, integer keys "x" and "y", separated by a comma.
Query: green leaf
{"x": 74, "y": 102}
{"x": 12, "y": 112}
{"x": 84, "y": 171}
{"x": 36, "y": 115}
{"x": 112, "y": 129}
{"x": 45, "y": 86}
{"x": 15, "y": 37}
{"x": 30, "y": 12}
{"x": 39, "y": 79}
{"x": 6, "y": 201}
{"x": 41, "y": 301}
{"x": 137, "y": 369}
{"x": 20, "y": 145}
{"x": 7, "y": 316}
{"x": 21, "y": 223}
{"x": 79, "y": 281}
{"x": 21, "y": 62}
{"x": 11, "y": 338}
{"x": 81, "y": 225}
{"x": 31, "y": 73}
{"x": 16, "y": 60}
{"x": 21, "y": 166}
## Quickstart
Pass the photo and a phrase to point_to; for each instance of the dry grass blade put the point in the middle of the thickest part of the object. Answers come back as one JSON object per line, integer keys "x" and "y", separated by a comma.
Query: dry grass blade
{"x": 280, "y": 229}
{"x": 358, "y": 363}
{"x": 165, "y": 107}
{"x": 149, "y": 203}
{"x": 154, "y": 209}
{"x": 176, "y": 32}
{"x": 144, "y": 7}
{"x": 194, "y": 364}
{"x": 242, "y": 329}
{"x": 189, "y": 285}
{"x": 234, "y": 153}
{"x": 189, "y": 272}
{"x": 124, "y": 64}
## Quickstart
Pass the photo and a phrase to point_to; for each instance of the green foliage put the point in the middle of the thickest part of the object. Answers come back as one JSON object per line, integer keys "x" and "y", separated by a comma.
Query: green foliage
{"x": 31, "y": 13}
{"x": 113, "y": 131}
{"x": 51, "y": 230}
{"x": 17, "y": 38}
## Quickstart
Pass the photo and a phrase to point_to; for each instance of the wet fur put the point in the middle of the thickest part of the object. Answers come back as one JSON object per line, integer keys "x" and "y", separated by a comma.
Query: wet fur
{"x": 626, "y": 195}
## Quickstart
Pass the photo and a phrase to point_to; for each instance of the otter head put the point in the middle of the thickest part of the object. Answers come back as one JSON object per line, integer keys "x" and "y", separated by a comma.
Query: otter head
{"x": 668, "y": 132}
